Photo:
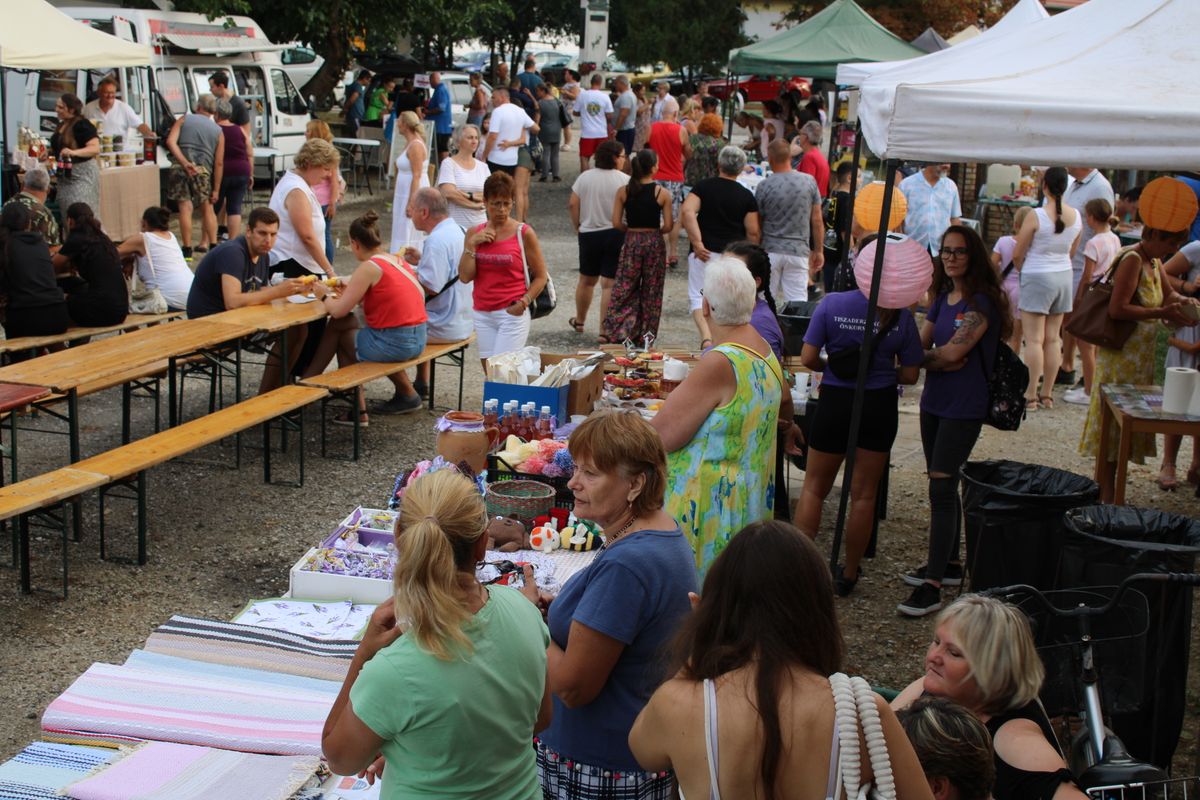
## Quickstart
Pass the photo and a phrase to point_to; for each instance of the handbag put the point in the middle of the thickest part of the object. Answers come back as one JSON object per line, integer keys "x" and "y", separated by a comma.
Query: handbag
{"x": 544, "y": 303}
{"x": 844, "y": 363}
{"x": 1006, "y": 389}
{"x": 855, "y": 706}
{"x": 1090, "y": 321}
{"x": 145, "y": 300}
{"x": 562, "y": 115}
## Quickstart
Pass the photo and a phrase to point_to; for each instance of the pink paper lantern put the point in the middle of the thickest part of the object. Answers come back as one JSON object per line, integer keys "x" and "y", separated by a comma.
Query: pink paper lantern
{"x": 907, "y": 271}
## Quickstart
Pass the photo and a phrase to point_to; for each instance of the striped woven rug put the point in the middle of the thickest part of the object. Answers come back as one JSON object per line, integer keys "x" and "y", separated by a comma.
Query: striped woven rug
{"x": 171, "y": 706}
{"x": 253, "y": 647}
{"x": 40, "y": 770}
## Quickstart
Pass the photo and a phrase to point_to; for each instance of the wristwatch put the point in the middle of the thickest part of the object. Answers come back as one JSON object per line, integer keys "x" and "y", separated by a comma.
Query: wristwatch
{"x": 471, "y": 196}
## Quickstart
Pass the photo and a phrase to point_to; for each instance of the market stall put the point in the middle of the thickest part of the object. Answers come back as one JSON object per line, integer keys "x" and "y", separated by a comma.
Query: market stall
{"x": 43, "y": 38}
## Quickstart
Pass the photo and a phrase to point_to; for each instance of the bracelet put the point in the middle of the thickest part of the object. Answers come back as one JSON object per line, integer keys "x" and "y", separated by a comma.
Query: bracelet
{"x": 470, "y": 253}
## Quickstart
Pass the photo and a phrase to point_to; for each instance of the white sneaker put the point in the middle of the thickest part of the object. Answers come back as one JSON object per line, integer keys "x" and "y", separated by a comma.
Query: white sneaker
{"x": 1077, "y": 396}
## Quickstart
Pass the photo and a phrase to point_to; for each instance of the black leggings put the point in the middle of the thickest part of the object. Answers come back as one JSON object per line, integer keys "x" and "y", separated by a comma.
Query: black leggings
{"x": 947, "y": 444}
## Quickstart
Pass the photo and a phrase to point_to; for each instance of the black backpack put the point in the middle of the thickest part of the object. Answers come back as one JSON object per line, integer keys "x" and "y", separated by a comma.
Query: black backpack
{"x": 1006, "y": 389}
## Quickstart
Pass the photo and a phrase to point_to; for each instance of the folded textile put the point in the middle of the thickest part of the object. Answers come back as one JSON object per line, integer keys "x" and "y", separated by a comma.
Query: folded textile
{"x": 322, "y": 619}
{"x": 172, "y": 706}
{"x": 40, "y": 770}
{"x": 157, "y": 661}
{"x": 252, "y": 647}
{"x": 166, "y": 771}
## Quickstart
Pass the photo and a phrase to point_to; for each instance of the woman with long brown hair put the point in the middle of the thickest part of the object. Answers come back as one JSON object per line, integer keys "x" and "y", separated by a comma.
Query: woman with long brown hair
{"x": 965, "y": 324}
{"x": 76, "y": 140}
{"x": 758, "y": 651}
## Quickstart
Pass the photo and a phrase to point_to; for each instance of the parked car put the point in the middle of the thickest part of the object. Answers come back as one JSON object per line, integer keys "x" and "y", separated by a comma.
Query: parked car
{"x": 301, "y": 63}
{"x": 755, "y": 88}
{"x": 475, "y": 61}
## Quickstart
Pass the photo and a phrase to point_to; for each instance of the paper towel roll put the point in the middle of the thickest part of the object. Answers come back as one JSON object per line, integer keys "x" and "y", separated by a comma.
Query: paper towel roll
{"x": 1178, "y": 388}
{"x": 1194, "y": 407}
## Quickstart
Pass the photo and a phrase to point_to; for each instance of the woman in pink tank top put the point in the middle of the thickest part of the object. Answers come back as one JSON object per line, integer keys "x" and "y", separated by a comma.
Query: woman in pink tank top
{"x": 393, "y": 304}
{"x": 496, "y": 256}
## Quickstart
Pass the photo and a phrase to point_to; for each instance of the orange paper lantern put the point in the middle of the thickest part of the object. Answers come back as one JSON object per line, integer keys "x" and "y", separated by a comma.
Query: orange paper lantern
{"x": 1168, "y": 204}
{"x": 868, "y": 207}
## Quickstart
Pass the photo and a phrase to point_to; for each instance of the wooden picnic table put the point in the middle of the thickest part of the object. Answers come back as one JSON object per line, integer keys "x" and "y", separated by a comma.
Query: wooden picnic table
{"x": 1134, "y": 409}
{"x": 15, "y": 396}
{"x": 131, "y": 322}
{"x": 278, "y": 315}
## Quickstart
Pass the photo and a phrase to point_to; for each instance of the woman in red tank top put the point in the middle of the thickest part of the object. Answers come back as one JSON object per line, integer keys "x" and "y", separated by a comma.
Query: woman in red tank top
{"x": 393, "y": 304}
{"x": 670, "y": 141}
{"x": 495, "y": 257}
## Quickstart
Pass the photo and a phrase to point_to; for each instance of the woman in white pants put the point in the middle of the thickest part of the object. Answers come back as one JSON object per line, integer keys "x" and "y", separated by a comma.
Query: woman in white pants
{"x": 498, "y": 256}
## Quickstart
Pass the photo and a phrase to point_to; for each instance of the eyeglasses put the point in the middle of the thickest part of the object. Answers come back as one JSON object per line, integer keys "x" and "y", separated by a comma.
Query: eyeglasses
{"x": 956, "y": 252}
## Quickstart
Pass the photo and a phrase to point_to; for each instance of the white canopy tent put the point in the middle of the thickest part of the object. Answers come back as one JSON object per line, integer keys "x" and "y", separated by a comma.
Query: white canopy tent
{"x": 1041, "y": 95}
{"x": 965, "y": 35}
{"x": 42, "y": 37}
{"x": 1023, "y": 14}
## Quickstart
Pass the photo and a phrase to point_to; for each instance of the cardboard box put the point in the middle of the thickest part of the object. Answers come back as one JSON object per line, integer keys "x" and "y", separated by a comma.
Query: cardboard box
{"x": 577, "y": 397}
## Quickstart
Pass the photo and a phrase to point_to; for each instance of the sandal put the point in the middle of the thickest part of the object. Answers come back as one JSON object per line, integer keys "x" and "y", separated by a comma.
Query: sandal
{"x": 576, "y": 324}
{"x": 344, "y": 418}
{"x": 1046, "y": 402}
{"x": 672, "y": 263}
{"x": 1031, "y": 404}
{"x": 1168, "y": 483}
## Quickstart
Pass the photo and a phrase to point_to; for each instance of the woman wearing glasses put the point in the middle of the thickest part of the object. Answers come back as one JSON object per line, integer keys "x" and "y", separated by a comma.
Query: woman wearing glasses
{"x": 968, "y": 318}
{"x": 504, "y": 259}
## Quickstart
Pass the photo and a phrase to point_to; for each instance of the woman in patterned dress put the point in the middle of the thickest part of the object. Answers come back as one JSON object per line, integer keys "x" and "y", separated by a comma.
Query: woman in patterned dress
{"x": 1139, "y": 293}
{"x": 719, "y": 425}
{"x": 641, "y": 131}
{"x": 643, "y": 211}
{"x": 706, "y": 146}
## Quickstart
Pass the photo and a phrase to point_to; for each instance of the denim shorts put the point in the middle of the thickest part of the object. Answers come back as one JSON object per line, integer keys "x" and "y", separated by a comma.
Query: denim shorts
{"x": 390, "y": 344}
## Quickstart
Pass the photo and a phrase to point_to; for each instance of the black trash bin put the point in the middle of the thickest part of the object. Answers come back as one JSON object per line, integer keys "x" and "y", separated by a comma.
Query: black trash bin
{"x": 1014, "y": 520}
{"x": 793, "y": 320}
{"x": 1102, "y": 545}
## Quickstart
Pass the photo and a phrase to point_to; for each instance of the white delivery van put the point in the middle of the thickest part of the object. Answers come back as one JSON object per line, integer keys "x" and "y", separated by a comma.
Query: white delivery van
{"x": 187, "y": 48}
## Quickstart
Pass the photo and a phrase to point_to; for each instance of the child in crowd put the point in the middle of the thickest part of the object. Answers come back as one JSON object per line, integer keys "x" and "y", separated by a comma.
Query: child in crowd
{"x": 1183, "y": 272}
{"x": 1097, "y": 258}
{"x": 1010, "y": 279}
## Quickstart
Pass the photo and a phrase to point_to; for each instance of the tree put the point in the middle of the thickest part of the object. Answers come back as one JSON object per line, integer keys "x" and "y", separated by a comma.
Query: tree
{"x": 510, "y": 26}
{"x": 328, "y": 26}
{"x": 690, "y": 35}
{"x": 908, "y": 19}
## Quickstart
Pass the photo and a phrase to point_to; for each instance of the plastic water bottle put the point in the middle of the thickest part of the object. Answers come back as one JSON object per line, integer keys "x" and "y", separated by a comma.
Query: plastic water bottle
{"x": 545, "y": 429}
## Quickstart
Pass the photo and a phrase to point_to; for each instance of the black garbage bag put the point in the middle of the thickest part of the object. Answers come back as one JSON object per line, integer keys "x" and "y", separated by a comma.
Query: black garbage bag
{"x": 1102, "y": 545}
{"x": 793, "y": 319}
{"x": 1014, "y": 520}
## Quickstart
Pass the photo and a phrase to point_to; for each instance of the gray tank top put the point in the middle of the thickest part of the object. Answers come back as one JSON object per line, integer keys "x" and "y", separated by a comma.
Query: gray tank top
{"x": 198, "y": 136}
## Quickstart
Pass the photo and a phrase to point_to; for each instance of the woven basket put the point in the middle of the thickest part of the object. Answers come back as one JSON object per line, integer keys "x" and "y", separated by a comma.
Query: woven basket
{"x": 524, "y": 500}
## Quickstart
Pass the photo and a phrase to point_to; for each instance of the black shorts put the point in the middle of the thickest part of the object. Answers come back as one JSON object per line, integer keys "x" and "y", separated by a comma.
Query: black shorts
{"x": 830, "y": 428}
{"x": 626, "y": 138}
{"x": 507, "y": 169}
{"x": 233, "y": 192}
{"x": 599, "y": 252}
{"x": 443, "y": 142}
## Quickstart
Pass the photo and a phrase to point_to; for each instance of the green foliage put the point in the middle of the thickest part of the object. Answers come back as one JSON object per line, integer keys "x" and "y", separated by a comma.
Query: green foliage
{"x": 510, "y": 25}
{"x": 692, "y": 35}
{"x": 908, "y": 18}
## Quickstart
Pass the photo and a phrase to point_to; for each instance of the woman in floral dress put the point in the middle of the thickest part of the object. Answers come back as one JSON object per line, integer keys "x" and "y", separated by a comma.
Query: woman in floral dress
{"x": 641, "y": 131}
{"x": 642, "y": 210}
{"x": 706, "y": 145}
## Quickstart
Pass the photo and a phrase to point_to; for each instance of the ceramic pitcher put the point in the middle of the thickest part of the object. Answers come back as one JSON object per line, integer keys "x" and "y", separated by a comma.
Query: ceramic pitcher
{"x": 463, "y": 437}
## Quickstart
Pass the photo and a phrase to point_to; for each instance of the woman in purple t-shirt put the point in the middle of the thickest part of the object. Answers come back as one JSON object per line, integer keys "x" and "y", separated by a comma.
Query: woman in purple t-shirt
{"x": 838, "y": 325}
{"x": 961, "y": 332}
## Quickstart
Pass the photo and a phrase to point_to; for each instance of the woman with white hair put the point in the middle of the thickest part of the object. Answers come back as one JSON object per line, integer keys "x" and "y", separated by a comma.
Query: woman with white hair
{"x": 719, "y": 425}
{"x": 718, "y": 212}
{"x": 460, "y": 179}
{"x": 412, "y": 173}
{"x": 983, "y": 657}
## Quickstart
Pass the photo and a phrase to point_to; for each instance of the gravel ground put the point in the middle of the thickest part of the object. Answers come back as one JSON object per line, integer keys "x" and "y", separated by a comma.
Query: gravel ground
{"x": 219, "y": 537}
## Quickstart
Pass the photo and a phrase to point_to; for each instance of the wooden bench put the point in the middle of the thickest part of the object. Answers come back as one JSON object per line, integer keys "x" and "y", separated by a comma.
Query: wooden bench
{"x": 125, "y": 466}
{"x": 343, "y": 384}
{"x": 132, "y": 322}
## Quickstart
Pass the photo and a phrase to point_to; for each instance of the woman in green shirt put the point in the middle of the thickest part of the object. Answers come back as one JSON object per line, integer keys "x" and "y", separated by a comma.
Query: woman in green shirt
{"x": 449, "y": 699}
{"x": 379, "y": 104}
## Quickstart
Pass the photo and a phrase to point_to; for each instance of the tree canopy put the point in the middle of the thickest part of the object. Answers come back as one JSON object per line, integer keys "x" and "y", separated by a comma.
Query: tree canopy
{"x": 691, "y": 35}
{"x": 908, "y": 19}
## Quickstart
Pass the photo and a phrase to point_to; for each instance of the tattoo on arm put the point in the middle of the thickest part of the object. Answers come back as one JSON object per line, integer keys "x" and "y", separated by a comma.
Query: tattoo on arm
{"x": 970, "y": 323}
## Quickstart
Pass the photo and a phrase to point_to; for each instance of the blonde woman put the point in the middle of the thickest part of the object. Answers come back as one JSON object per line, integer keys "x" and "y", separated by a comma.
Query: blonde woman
{"x": 461, "y": 176}
{"x": 412, "y": 173}
{"x": 451, "y": 675}
{"x": 300, "y": 246}
{"x": 983, "y": 658}
{"x": 329, "y": 193}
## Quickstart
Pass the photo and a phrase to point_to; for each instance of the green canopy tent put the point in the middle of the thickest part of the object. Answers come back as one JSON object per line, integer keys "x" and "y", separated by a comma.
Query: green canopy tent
{"x": 840, "y": 34}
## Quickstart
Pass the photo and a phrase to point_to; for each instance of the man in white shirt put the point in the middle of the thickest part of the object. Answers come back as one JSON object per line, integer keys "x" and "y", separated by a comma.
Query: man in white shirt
{"x": 662, "y": 101}
{"x": 509, "y": 129}
{"x": 115, "y": 115}
{"x": 595, "y": 110}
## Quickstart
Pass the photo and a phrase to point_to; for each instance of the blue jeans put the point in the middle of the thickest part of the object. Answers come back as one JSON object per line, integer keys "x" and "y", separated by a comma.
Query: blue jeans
{"x": 386, "y": 345}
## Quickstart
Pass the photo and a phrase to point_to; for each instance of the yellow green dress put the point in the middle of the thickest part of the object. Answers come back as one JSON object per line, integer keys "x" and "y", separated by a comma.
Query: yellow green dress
{"x": 724, "y": 478}
{"x": 1132, "y": 364}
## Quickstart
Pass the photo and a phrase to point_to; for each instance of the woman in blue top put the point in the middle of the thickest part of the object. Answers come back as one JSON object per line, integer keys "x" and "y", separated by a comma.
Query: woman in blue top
{"x": 610, "y": 623}
{"x": 964, "y": 326}
{"x": 452, "y": 694}
{"x": 838, "y": 325}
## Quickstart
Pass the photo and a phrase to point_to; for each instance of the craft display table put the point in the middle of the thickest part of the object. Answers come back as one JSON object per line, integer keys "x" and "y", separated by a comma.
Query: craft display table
{"x": 1134, "y": 409}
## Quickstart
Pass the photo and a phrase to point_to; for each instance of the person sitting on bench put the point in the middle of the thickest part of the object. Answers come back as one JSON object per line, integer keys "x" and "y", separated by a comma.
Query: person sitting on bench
{"x": 234, "y": 274}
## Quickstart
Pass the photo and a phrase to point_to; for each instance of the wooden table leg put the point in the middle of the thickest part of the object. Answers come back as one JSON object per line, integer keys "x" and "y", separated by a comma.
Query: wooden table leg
{"x": 1124, "y": 448}
{"x": 1106, "y": 422}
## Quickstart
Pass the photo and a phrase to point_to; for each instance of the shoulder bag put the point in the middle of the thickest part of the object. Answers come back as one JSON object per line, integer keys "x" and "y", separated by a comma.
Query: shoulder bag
{"x": 855, "y": 707}
{"x": 844, "y": 363}
{"x": 1090, "y": 320}
{"x": 544, "y": 303}
{"x": 562, "y": 115}
{"x": 145, "y": 300}
{"x": 1006, "y": 389}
